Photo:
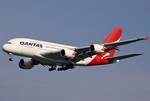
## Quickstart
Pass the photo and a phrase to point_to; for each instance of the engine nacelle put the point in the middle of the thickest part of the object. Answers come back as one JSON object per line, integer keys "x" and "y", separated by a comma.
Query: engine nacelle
{"x": 97, "y": 48}
{"x": 26, "y": 64}
{"x": 68, "y": 53}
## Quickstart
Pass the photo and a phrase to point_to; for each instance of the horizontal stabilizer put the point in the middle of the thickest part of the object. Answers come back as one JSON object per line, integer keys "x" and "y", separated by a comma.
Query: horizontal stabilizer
{"x": 117, "y": 58}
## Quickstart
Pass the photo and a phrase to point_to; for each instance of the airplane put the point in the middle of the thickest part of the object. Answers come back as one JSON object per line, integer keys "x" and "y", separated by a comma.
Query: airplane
{"x": 62, "y": 57}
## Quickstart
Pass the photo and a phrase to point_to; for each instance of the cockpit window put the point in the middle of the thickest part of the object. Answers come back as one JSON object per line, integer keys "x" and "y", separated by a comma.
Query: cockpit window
{"x": 9, "y": 43}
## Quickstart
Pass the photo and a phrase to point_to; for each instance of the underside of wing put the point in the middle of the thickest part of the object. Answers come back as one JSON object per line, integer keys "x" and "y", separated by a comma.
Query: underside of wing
{"x": 51, "y": 58}
{"x": 118, "y": 58}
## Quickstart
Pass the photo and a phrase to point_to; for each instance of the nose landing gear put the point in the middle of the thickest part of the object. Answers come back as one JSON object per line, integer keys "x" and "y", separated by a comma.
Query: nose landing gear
{"x": 10, "y": 59}
{"x": 10, "y": 56}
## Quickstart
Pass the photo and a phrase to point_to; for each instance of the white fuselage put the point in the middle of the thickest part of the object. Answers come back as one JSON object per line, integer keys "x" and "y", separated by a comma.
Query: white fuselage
{"x": 33, "y": 48}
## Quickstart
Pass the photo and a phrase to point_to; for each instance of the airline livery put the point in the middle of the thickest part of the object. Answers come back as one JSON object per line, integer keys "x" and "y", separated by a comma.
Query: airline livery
{"x": 63, "y": 57}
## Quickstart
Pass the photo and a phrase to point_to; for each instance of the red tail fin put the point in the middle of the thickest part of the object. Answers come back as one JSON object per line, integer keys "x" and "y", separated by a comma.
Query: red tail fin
{"x": 114, "y": 36}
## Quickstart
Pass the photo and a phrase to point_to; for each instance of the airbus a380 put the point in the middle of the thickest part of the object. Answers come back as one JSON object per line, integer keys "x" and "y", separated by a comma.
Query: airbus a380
{"x": 63, "y": 57}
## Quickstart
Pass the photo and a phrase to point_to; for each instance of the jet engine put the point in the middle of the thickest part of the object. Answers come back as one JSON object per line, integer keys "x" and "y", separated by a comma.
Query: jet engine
{"x": 27, "y": 64}
{"x": 68, "y": 53}
{"x": 97, "y": 48}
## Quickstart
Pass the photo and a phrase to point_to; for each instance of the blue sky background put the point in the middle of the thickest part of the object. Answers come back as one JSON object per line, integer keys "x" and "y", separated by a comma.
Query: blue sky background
{"x": 79, "y": 23}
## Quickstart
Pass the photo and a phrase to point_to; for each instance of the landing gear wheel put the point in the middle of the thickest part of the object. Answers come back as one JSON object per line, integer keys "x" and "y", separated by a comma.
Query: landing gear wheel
{"x": 10, "y": 59}
{"x": 51, "y": 69}
{"x": 67, "y": 67}
{"x": 60, "y": 69}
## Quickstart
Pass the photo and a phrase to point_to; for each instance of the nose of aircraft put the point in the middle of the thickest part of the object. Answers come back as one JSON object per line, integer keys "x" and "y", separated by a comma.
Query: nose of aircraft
{"x": 5, "y": 48}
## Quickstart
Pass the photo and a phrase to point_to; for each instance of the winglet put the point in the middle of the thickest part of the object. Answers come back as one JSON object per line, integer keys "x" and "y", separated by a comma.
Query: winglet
{"x": 147, "y": 38}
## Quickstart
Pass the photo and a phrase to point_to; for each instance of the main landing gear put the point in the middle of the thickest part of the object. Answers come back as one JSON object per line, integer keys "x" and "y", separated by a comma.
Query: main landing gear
{"x": 66, "y": 67}
{"x": 63, "y": 68}
{"x": 52, "y": 68}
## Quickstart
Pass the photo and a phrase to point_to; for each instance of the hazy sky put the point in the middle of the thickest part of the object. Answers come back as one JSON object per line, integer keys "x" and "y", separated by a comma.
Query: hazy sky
{"x": 79, "y": 23}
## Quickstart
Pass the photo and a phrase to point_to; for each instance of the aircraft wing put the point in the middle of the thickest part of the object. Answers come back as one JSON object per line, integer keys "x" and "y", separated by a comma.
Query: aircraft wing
{"x": 113, "y": 59}
{"x": 114, "y": 45}
{"x": 85, "y": 52}
{"x": 46, "y": 57}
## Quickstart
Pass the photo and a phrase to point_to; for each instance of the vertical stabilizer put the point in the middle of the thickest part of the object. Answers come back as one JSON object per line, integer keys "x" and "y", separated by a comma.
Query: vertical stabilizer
{"x": 114, "y": 36}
